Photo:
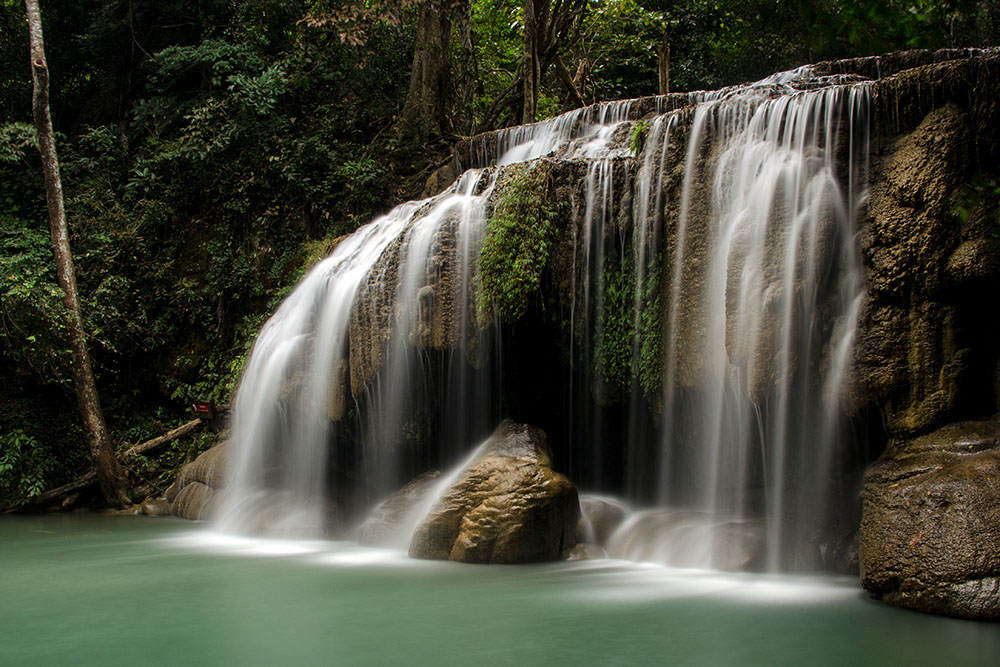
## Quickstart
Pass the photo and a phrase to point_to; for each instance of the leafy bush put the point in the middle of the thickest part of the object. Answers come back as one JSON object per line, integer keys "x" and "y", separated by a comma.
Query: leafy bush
{"x": 24, "y": 467}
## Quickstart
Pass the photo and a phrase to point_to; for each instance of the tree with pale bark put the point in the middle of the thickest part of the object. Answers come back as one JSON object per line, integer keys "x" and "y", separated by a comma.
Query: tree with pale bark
{"x": 105, "y": 464}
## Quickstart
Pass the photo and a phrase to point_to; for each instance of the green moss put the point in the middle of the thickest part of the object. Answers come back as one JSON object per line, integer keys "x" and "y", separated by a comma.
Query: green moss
{"x": 651, "y": 333}
{"x": 623, "y": 353}
{"x": 520, "y": 234}
{"x": 613, "y": 354}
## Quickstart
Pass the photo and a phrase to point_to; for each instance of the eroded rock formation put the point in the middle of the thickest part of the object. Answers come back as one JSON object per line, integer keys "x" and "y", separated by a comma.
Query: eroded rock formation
{"x": 930, "y": 529}
{"x": 508, "y": 506}
{"x": 192, "y": 494}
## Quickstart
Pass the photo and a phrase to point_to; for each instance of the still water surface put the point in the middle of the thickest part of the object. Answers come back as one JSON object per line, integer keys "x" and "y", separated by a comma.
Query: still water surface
{"x": 119, "y": 590}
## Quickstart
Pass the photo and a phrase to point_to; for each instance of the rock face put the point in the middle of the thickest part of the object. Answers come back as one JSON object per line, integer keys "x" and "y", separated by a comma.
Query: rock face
{"x": 508, "y": 506}
{"x": 930, "y": 529}
{"x": 197, "y": 484}
{"x": 925, "y": 350}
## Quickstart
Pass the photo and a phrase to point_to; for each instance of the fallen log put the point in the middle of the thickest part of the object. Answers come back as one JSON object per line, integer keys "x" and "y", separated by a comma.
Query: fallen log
{"x": 45, "y": 498}
{"x": 168, "y": 437}
{"x": 91, "y": 477}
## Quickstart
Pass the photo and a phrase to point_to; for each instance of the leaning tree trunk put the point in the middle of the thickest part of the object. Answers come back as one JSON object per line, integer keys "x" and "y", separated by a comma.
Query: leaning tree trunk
{"x": 425, "y": 110}
{"x": 83, "y": 376}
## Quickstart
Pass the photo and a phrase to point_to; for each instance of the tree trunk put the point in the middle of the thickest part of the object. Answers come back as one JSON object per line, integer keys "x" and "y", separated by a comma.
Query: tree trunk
{"x": 424, "y": 115}
{"x": 467, "y": 66}
{"x": 664, "y": 64}
{"x": 83, "y": 377}
{"x": 529, "y": 62}
{"x": 575, "y": 98}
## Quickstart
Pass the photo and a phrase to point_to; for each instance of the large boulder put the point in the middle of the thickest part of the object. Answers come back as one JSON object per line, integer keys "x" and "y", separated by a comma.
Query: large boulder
{"x": 508, "y": 506}
{"x": 930, "y": 525}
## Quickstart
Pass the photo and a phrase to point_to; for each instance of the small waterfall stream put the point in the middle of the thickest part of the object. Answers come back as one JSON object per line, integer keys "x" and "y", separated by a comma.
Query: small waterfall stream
{"x": 730, "y": 242}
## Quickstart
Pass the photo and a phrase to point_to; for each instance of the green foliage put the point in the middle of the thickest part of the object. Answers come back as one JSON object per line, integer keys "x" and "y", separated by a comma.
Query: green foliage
{"x": 519, "y": 237}
{"x": 32, "y": 321}
{"x": 496, "y": 28}
{"x": 629, "y": 345}
{"x": 620, "y": 44}
{"x": 15, "y": 140}
{"x": 25, "y": 466}
{"x": 638, "y": 137}
{"x": 160, "y": 470}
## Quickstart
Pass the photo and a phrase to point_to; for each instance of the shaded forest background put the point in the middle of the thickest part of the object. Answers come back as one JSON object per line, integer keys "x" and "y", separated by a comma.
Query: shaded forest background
{"x": 212, "y": 150}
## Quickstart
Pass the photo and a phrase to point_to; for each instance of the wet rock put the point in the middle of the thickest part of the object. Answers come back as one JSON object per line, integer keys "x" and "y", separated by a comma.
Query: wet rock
{"x": 600, "y": 517}
{"x": 930, "y": 527}
{"x": 690, "y": 539}
{"x": 138, "y": 493}
{"x": 385, "y": 525}
{"x": 584, "y": 551}
{"x": 438, "y": 181}
{"x": 155, "y": 507}
{"x": 193, "y": 501}
{"x": 838, "y": 552}
{"x": 975, "y": 261}
{"x": 209, "y": 468}
{"x": 508, "y": 506}
{"x": 171, "y": 493}
{"x": 197, "y": 483}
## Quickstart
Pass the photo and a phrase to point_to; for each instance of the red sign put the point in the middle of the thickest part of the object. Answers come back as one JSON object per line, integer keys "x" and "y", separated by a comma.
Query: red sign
{"x": 203, "y": 409}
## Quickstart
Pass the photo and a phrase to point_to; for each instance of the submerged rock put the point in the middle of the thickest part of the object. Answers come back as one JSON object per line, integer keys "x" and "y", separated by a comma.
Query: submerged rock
{"x": 585, "y": 551}
{"x": 155, "y": 507}
{"x": 386, "y": 524}
{"x": 194, "y": 502}
{"x": 690, "y": 539}
{"x": 930, "y": 525}
{"x": 600, "y": 517}
{"x": 508, "y": 506}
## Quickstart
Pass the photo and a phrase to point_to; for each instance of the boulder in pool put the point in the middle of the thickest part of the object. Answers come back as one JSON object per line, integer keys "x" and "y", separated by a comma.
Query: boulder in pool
{"x": 507, "y": 506}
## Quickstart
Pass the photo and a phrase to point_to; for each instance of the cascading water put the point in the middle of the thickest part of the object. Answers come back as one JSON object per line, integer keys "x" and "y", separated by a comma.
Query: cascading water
{"x": 306, "y": 364}
{"x": 763, "y": 295}
{"x": 730, "y": 243}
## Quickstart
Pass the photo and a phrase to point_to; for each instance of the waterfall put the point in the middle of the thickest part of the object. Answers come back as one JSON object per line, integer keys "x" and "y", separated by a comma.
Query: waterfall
{"x": 715, "y": 290}
{"x": 305, "y": 369}
{"x": 764, "y": 294}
